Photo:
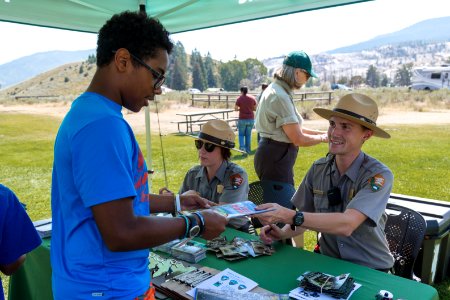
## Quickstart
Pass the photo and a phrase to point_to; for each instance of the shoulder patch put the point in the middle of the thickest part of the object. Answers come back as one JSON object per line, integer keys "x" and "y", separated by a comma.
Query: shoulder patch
{"x": 376, "y": 182}
{"x": 236, "y": 180}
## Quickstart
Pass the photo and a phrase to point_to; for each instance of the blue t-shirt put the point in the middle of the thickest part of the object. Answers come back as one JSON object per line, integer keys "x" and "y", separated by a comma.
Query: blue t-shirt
{"x": 17, "y": 233}
{"x": 96, "y": 160}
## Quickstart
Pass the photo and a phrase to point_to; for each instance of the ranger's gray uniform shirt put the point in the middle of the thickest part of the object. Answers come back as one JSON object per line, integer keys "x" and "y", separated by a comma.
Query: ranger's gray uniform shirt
{"x": 366, "y": 187}
{"x": 275, "y": 109}
{"x": 230, "y": 185}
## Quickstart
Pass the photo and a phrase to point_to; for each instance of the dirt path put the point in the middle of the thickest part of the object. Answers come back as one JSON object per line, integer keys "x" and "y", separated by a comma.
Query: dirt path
{"x": 137, "y": 120}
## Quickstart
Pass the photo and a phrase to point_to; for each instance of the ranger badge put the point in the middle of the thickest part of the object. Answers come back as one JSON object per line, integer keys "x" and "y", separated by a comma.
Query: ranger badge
{"x": 376, "y": 182}
{"x": 236, "y": 180}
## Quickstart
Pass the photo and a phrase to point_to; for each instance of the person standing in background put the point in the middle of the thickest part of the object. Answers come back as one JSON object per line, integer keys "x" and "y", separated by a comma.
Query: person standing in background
{"x": 246, "y": 105}
{"x": 17, "y": 234}
{"x": 280, "y": 126}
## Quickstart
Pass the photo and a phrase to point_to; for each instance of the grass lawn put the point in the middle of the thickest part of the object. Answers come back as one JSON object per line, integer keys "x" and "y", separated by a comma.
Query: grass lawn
{"x": 417, "y": 155}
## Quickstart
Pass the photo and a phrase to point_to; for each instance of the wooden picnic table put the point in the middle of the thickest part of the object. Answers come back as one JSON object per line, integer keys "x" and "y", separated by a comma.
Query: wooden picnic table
{"x": 201, "y": 117}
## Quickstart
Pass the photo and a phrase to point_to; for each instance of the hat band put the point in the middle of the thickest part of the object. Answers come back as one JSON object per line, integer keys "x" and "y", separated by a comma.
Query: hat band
{"x": 216, "y": 140}
{"x": 352, "y": 114}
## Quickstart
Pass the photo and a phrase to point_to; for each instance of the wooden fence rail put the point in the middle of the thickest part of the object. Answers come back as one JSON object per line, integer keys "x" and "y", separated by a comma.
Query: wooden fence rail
{"x": 229, "y": 98}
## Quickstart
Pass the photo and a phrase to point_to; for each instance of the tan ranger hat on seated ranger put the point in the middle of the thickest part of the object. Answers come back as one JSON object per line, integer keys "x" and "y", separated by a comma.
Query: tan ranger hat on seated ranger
{"x": 219, "y": 133}
{"x": 357, "y": 108}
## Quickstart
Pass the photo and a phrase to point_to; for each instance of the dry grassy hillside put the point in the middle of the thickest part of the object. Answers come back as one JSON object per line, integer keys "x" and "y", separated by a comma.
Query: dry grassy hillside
{"x": 59, "y": 84}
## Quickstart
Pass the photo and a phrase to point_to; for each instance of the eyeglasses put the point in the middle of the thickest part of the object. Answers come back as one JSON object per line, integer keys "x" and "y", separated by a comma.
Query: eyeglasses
{"x": 208, "y": 146}
{"x": 158, "y": 77}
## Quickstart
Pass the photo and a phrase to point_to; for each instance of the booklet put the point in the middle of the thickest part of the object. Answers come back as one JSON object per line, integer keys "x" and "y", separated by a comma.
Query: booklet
{"x": 227, "y": 280}
{"x": 238, "y": 209}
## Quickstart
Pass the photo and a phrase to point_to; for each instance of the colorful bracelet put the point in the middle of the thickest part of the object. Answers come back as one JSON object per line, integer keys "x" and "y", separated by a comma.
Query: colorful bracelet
{"x": 186, "y": 219}
{"x": 202, "y": 222}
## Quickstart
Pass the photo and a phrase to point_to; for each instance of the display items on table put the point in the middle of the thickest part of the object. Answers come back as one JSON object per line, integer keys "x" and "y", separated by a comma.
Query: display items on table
{"x": 207, "y": 294}
{"x": 227, "y": 280}
{"x": 238, "y": 248}
{"x": 321, "y": 286}
{"x": 236, "y": 210}
{"x": 187, "y": 250}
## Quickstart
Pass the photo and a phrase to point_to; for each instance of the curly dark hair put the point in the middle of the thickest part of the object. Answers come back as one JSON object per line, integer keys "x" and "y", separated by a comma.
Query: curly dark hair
{"x": 141, "y": 35}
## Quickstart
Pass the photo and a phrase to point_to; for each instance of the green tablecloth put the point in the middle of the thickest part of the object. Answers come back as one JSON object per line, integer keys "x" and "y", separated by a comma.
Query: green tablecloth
{"x": 276, "y": 273}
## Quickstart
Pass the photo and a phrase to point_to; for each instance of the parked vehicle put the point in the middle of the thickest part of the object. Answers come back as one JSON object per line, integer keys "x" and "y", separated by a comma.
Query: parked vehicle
{"x": 215, "y": 90}
{"x": 338, "y": 86}
{"x": 430, "y": 78}
{"x": 194, "y": 91}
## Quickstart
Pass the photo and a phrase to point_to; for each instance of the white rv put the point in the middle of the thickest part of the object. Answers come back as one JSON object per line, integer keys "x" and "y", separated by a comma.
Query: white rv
{"x": 431, "y": 78}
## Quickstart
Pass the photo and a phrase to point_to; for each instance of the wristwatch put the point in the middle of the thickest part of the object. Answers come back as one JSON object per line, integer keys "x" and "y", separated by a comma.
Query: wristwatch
{"x": 194, "y": 228}
{"x": 297, "y": 220}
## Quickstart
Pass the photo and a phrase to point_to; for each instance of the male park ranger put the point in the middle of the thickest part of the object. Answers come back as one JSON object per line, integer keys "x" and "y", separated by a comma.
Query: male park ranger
{"x": 344, "y": 195}
{"x": 217, "y": 178}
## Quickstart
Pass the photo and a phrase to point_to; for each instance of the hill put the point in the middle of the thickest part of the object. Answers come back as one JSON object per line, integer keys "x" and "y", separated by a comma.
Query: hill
{"x": 60, "y": 84}
{"x": 424, "y": 31}
{"x": 26, "y": 67}
{"x": 420, "y": 44}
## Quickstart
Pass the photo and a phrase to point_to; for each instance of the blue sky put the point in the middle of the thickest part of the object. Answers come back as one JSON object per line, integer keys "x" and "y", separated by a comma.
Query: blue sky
{"x": 313, "y": 32}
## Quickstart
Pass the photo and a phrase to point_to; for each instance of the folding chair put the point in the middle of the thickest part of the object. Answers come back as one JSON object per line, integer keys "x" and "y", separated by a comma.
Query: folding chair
{"x": 256, "y": 195}
{"x": 405, "y": 230}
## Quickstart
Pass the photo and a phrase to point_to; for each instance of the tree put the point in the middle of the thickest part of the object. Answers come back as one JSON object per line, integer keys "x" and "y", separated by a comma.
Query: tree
{"x": 356, "y": 80}
{"x": 256, "y": 72}
{"x": 384, "y": 80}
{"x": 92, "y": 59}
{"x": 198, "y": 71}
{"x": 373, "y": 76}
{"x": 403, "y": 75}
{"x": 232, "y": 73}
{"x": 177, "y": 74}
{"x": 210, "y": 72}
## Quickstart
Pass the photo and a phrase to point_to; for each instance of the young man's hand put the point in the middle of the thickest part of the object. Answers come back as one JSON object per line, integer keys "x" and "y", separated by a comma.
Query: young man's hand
{"x": 191, "y": 200}
{"x": 214, "y": 224}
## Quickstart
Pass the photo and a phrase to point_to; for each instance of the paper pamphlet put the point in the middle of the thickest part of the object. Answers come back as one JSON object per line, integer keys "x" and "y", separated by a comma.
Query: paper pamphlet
{"x": 225, "y": 281}
{"x": 238, "y": 209}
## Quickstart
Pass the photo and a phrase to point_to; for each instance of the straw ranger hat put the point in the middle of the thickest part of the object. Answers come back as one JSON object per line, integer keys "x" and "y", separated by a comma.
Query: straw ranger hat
{"x": 219, "y": 133}
{"x": 357, "y": 108}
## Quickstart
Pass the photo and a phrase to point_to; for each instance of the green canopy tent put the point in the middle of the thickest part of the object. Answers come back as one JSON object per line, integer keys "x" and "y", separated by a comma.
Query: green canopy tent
{"x": 176, "y": 15}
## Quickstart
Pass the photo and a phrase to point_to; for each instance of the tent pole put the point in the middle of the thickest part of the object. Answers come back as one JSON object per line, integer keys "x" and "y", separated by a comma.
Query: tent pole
{"x": 149, "y": 148}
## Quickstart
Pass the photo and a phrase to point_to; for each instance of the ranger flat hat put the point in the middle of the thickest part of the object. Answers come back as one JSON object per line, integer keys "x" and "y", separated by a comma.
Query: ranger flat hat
{"x": 219, "y": 133}
{"x": 358, "y": 108}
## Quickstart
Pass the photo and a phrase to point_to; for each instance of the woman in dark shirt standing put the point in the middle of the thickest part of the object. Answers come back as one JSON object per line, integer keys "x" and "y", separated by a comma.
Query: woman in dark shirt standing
{"x": 246, "y": 105}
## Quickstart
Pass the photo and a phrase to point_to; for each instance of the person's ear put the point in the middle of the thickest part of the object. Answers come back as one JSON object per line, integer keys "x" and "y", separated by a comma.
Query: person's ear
{"x": 367, "y": 135}
{"x": 122, "y": 59}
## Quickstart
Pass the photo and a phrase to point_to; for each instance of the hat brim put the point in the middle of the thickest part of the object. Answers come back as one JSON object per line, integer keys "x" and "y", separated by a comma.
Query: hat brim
{"x": 313, "y": 74}
{"x": 328, "y": 113}
{"x": 222, "y": 146}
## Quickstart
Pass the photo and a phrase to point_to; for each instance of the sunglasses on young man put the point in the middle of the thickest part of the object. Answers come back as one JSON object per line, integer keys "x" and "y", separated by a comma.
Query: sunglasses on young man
{"x": 208, "y": 146}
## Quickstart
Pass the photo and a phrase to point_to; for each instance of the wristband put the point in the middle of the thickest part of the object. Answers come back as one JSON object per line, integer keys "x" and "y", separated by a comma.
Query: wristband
{"x": 202, "y": 222}
{"x": 187, "y": 226}
{"x": 177, "y": 204}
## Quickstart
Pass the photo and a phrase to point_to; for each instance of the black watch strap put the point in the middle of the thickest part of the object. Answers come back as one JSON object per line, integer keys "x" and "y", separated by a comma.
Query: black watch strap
{"x": 297, "y": 220}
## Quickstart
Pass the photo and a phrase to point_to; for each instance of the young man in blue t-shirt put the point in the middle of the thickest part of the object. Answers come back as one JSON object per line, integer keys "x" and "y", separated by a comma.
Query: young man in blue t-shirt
{"x": 17, "y": 234}
{"x": 102, "y": 228}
